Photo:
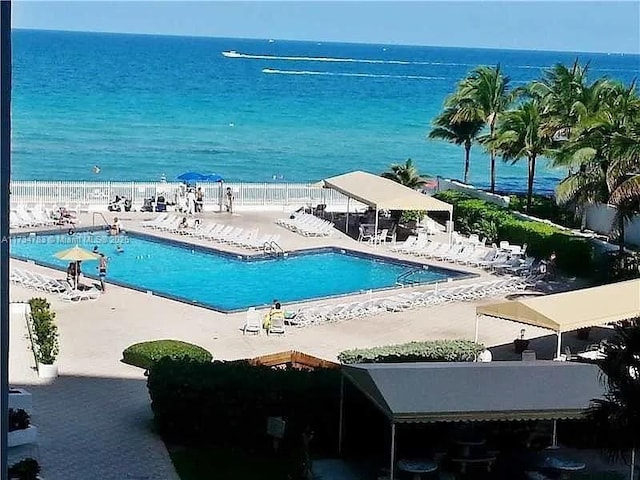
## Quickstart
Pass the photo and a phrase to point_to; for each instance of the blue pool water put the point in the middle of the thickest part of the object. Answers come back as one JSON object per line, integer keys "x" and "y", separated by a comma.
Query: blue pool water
{"x": 223, "y": 281}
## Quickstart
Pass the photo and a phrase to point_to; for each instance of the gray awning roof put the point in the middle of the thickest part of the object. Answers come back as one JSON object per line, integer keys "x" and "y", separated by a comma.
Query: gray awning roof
{"x": 468, "y": 391}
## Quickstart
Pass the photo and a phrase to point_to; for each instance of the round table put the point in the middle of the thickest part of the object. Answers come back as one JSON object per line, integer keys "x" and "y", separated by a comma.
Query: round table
{"x": 565, "y": 467}
{"x": 467, "y": 443}
{"x": 417, "y": 467}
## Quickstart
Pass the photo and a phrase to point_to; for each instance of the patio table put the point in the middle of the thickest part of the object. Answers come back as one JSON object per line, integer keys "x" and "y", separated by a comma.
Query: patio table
{"x": 417, "y": 467}
{"x": 565, "y": 467}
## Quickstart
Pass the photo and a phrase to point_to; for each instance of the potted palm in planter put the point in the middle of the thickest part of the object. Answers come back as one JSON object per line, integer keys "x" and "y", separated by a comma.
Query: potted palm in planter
{"x": 520, "y": 344}
{"x": 21, "y": 432}
{"x": 45, "y": 337}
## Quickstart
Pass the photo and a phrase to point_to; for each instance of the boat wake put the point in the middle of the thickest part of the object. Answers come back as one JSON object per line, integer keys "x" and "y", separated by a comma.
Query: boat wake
{"x": 234, "y": 54}
{"x": 345, "y": 74}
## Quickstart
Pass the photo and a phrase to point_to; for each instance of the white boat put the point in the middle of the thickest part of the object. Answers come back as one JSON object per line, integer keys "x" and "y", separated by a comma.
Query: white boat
{"x": 231, "y": 54}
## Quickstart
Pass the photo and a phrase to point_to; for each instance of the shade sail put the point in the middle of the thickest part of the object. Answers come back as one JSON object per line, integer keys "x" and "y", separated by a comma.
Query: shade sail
{"x": 469, "y": 391}
{"x": 382, "y": 193}
{"x": 563, "y": 312}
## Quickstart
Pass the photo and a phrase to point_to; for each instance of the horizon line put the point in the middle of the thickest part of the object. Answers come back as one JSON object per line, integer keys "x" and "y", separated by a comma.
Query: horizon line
{"x": 179, "y": 35}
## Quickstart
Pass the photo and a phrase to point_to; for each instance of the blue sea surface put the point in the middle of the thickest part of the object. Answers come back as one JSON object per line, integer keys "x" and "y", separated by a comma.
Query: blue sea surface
{"x": 223, "y": 282}
{"x": 140, "y": 106}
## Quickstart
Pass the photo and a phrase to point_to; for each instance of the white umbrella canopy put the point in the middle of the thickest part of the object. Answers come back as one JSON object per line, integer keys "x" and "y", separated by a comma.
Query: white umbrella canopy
{"x": 76, "y": 254}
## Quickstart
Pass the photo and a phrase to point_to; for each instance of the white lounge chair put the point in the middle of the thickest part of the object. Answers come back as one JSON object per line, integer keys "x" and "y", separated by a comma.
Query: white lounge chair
{"x": 253, "y": 322}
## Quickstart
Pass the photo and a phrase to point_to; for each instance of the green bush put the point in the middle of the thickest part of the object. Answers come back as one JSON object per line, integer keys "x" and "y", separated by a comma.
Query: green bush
{"x": 412, "y": 215}
{"x": 545, "y": 207}
{"x": 574, "y": 254}
{"x": 44, "y": 331}
{"x": 431, "y": 351}
{"x": 228, "y": 403}
{"x": 144, "y": 354}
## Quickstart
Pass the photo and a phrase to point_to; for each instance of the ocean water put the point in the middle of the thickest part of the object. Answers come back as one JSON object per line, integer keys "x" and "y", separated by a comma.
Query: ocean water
{"x": 142, "y": 106}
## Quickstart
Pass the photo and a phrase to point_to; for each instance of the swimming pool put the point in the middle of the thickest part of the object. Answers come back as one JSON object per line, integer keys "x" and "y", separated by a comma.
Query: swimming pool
{"x": 224, "y": 281}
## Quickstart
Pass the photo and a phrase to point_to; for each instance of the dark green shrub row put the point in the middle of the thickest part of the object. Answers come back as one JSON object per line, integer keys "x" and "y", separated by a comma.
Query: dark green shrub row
{"x": 431, "y": 351}
{"x": 574, "y": 254}
{"x": 546, "y": 208}
{"x": 144, "y": 354}
{"x": 44, "y": 331}
{"x": 228, "y": 403}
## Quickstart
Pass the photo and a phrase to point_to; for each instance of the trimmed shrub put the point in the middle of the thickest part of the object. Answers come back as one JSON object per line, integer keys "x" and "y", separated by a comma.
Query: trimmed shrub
{"x": 145, "y": 354}
{"x": 228, "y": 403}
{"x": 431, "y": 351}
{"x": 574, "y": 254}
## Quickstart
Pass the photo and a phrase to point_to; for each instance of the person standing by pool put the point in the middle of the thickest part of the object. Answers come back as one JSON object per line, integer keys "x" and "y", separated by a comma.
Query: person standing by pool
{"x": 229, "y": 200}
{"x": 191, "y": 201}
{"x": 102, "y": 270}
{"x": 199, "y": 200}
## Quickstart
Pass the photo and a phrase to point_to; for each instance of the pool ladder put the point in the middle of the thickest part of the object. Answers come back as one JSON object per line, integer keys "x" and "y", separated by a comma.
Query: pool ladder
{"x": 272, "y": 248}
{"x": 103, "y": 219}
{"x": 405, "y": 277}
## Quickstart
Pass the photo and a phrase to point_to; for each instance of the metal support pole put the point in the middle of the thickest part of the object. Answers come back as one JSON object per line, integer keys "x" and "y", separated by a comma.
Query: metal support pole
{"x": 559, "y": 344}
{"x": 375, "y": 236}
{"x": 475, "y": 338}
{"x": 5, "y": 174}
{"x": 554, "y": 436}
{"x": 450, "y": 227}
{"x": 392, "y": 460}
{"x": 632, "y": 473}
{"x": 346, "y": 228}
{"x": 341, "y": 415}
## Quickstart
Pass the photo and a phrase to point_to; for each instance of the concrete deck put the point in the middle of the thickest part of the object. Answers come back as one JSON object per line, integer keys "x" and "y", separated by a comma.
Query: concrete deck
{"x": 96, "y": 420}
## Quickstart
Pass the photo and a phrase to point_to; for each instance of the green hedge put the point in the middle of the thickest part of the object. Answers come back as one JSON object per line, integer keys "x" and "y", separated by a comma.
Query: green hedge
{"x": 431, "y": 351}
{"x": 228, "y": 403}
{"x": 574, "y": 254}
{"x": 144, "y": 354}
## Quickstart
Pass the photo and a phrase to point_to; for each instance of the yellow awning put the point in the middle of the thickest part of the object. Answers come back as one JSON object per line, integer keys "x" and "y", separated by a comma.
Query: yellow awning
{"x": 567, "y": 311}
{"x": 382, "y": 193}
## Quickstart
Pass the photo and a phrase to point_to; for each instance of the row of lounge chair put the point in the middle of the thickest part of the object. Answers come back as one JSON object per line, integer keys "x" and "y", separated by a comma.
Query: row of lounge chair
{"x": 227, "y": 234}
{"x": 307, "y": 225}
{"x": 508, "y": 259}
{"x": 405, "y": 301}
{"x": 36, "y": 217}
{"x": 45, "y": 283}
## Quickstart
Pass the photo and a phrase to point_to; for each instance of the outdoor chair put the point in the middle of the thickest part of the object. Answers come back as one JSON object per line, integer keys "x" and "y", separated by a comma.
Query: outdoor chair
{"x": 253, "y": 323}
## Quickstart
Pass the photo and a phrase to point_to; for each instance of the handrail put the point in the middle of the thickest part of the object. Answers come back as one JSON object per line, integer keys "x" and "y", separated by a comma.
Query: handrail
{"x": 273, "y": 247}
{"x": 103, "y": 218}
{"x": 408, "y": 273}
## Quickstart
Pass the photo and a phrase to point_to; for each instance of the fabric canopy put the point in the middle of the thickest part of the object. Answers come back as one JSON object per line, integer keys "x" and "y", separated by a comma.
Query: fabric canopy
{"x": 563, "y": 312}
{"x": 382, "y": 193}
{"x": 470, "y": 391}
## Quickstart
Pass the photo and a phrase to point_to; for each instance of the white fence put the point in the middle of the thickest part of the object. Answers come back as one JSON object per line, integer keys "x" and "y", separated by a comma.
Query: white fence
{"x": 444, "y": 184}
{"x": 97, "y": 195}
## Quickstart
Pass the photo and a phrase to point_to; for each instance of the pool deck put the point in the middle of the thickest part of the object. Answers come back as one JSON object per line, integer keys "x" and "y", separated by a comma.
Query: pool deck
{"x": 95, "y": 418}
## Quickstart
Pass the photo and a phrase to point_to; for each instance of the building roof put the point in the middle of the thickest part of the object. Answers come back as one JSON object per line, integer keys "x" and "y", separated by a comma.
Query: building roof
{"x": 382, "y": 193}
{"x": 563, "y": 312}
{"x": 476, "y": 391}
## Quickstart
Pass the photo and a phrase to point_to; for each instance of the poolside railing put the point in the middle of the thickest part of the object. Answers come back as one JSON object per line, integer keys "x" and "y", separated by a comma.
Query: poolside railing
{"x": 97, "y": 195}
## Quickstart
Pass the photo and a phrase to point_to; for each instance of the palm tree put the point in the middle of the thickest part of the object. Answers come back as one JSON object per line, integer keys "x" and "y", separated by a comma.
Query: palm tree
{"x": 483, "y": 95}
{"x": 604, "y": 148}
{"x": 459, "y": 133}
{"x": 617, "y": 415}
{"x": 405, "y": 174}
{"x": 520, "y": 135}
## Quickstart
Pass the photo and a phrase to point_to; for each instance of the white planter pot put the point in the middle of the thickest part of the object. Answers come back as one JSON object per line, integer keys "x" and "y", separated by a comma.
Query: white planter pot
{"x": 47, "y": 371}
{"x": 20, "y": 399}
{"x": 22, "y": 437}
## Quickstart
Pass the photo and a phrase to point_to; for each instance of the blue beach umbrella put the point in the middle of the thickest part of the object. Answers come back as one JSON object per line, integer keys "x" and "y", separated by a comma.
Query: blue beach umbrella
{"x": 200, "y": 177}
{"x": 214, "y": 177}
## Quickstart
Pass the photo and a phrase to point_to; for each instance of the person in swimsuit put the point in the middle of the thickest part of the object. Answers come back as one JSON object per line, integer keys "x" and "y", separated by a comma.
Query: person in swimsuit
{"x": 102, "y": 270}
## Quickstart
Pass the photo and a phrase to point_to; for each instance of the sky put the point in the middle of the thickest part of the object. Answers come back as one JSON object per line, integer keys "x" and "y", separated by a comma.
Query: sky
{"x": 571, "y": 25}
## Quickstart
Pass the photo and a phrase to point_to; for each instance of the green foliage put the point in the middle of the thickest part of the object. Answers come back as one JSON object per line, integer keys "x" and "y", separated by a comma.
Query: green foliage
{"x": 18, "y": 419}
{"x": 412, "y": 215}
{"x": 405, "y": 174}
{"x": 44, "y": 330}
{"x": 430, "y": 351}
{"x": 546, "y": 208}
{"x": 26, "y": 469}
{"x": 228, "y": 403}
{"x": 144, "y": 354}
{"x": 574, "y": 254}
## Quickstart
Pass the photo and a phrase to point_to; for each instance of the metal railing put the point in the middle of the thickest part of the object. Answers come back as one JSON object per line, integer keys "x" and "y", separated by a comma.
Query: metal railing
{"x": 99, "y": 194}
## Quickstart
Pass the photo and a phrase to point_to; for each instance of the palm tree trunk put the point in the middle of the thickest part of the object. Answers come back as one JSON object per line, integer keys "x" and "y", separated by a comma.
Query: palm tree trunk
{"x": 532, "y": 171}
{"x": 492, "y": 153}
{"x": 467, "y": 150}
{"x": 621, "y": 227}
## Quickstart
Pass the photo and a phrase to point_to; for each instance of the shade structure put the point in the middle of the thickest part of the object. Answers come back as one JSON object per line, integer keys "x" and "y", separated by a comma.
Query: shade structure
{"x": 76, "y": 254}
{"x": 382, "y": 193}
{"x": 567, "y": 311}
{"x": 476, "y": 391}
